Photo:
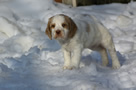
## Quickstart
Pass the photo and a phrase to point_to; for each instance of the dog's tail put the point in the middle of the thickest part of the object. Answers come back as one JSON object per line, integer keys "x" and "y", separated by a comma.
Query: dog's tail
{"x": 95, "y": 19}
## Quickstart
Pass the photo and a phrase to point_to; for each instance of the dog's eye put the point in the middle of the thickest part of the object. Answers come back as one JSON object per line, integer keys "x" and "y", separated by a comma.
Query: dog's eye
{"x": 53, "y": 26}
{"x": 64, "y": 25}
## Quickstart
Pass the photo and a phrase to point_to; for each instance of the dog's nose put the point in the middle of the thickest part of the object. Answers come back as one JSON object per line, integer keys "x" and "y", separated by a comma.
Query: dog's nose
{"x": 58, "y": 32}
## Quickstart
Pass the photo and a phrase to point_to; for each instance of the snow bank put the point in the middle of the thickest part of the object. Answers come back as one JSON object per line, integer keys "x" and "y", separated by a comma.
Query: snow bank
{"x": 6, "y": 12}
{"x": 124, "y": 46}
{"x": 123, "y": 21}
{"x": 7, "y": 29}
{"x": 16, "y": 46}
{"x": 25, "y": 42}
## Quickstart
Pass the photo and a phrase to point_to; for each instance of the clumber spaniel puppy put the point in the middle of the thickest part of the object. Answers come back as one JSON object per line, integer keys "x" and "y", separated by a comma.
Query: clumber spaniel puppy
{"x": 77, "y": 34}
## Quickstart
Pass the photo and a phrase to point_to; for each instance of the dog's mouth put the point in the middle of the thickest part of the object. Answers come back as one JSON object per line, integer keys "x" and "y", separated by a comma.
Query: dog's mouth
{"x": 59, "y": 36}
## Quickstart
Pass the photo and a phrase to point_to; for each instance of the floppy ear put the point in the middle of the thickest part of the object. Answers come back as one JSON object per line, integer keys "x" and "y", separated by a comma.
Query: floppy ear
{"x": 48, "y": 29}
{"x": 72, "y": 26}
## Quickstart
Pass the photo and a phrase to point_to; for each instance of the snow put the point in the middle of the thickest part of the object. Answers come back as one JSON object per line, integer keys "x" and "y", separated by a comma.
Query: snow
{"x": 123, "y": 21}
{"x": 30, "y": 61}
{"x": 8, "y": 29}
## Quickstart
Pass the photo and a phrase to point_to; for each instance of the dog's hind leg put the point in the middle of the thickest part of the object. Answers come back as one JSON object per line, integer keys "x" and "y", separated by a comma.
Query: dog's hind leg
{"x": 104, "y": 56}
{"x": 112, "y": 52}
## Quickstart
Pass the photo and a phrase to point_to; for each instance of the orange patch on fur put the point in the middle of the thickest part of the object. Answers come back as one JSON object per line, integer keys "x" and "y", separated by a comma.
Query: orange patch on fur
{"x": 71, "y": 26}
{"x": 48, "y": 29}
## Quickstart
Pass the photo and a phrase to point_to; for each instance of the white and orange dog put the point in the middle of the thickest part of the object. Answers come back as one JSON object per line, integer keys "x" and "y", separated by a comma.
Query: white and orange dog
{"x": 76, "y": 34}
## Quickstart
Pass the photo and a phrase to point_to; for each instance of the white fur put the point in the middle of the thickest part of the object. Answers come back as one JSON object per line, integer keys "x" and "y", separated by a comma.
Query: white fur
{"x": 90, "y": 34}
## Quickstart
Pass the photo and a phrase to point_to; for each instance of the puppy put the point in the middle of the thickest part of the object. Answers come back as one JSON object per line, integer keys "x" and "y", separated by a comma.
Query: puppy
{"x": 77, "y": 34}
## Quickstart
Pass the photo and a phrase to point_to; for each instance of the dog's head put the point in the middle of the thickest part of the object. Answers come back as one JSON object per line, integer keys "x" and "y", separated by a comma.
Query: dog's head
{"x": 61, "y": 27}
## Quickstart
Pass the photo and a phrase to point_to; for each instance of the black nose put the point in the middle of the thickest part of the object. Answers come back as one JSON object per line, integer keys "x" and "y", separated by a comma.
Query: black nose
{"x": 58, "y": 31}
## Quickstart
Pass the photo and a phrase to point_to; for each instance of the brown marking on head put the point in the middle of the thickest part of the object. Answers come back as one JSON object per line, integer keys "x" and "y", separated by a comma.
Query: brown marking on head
{"x": 70, "y": 24}
{"x": 48, "y": 29}
{"x": 64, "y": 25}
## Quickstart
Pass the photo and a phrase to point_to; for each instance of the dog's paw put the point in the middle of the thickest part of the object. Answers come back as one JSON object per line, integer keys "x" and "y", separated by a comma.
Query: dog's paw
{"x": 116, "y": 66}
{"x": 67, "y": 67}
{"x": 105, "y": 64}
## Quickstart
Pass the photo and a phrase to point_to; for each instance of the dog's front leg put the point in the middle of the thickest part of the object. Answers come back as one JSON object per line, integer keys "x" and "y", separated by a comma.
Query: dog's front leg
{"x": 67, "y": 59}
{"x": 76, "y": 57}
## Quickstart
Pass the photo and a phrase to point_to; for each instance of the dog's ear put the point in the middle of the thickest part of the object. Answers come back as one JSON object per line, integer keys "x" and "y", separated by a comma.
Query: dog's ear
{"x": 48, "y": 30}
{"x": 72, "y": 26}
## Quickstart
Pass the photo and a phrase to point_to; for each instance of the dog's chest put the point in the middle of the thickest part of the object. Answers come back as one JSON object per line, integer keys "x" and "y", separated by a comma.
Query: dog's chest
{"x": 69, "y": 46}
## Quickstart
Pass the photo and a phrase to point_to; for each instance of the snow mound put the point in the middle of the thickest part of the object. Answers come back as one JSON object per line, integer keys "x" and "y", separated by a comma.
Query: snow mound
{"x": 7, "y": 29}
{"x": 124, "y": 46}
{"x": 16, "y": 46}
{"x": 6, "y": 12}
{"x": 123, "y": 21}
{"x": 25, "y": 42}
